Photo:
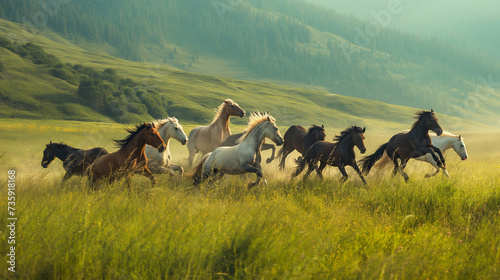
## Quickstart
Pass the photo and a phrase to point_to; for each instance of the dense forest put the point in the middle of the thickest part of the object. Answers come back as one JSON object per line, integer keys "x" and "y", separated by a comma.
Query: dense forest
{"x": 290, "y": 40}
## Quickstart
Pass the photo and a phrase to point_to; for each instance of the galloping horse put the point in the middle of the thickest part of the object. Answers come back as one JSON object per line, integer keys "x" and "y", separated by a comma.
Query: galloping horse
{"x": 233, "y": 140}
{"x": 339, "y": 153}
{"x": 297, "y": 138}
{"x": 412, "y": 144}
{"x": 75, "y": 161}
{"x": 444, "y": 142}
{"x": 243, "y": 157}
{"x": 208, "y": 138}
{"x": 129, "y": 159}
{"x": 161, "y": 162}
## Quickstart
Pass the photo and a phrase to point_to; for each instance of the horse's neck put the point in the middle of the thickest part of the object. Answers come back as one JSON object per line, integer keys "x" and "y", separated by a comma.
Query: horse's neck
{"x": 443, "y": 142}
{"x": 134, "y": 148}
{"x": 164, "y": 135}
{"x": 346, "y": 144}
{"x": 419, "y": 131}
{"x": 63, "y": 152}
{"x": 307, "y": 141}
{"x": 222, "y": 121}
{"x": 255, "y": 138}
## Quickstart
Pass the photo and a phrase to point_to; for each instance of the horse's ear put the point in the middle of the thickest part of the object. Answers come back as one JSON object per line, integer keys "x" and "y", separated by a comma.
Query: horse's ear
{"x": 322, "y": 126}
{"x": 432, "y": 111}
{"x": 268, "y": 118}
{"x": 364, "y": 129}
{"x": 227, "y": 101}
{"x": 50, "y": 142}
{"x": 459, "y": 137}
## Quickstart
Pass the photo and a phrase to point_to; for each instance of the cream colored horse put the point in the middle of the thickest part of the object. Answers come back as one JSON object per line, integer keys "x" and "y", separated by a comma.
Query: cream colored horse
{"x": 205, "y": 139}
{"x": 245, "y": 156}
{"x": 162, "y": 162}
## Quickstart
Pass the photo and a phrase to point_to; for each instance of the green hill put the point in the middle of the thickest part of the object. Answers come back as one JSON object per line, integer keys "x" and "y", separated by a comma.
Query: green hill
{"x": 278, "y": 41}
{"x": 30, "y": 91}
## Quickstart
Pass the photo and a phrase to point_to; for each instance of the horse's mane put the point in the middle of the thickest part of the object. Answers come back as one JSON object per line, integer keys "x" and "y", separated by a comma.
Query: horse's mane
{"x": 159, "y": 123}
{"x": 255, "y": 119}
{"x": 314, "y": 127}
{"x": 133, "y": 132}
{"x": 419, "y": 115}
{"x": 218, "y": 111}
{"x": 346, "y": 132}
{"x": 62, "y": 145}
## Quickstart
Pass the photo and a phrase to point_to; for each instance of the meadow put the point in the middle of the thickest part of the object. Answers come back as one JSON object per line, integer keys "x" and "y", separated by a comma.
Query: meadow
{"x": 437, "y": 228}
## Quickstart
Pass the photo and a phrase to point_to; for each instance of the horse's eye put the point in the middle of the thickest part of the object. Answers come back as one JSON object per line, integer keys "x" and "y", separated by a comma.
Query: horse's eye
{"x": 152, "y": 133}
{"x": 176, "y": 128}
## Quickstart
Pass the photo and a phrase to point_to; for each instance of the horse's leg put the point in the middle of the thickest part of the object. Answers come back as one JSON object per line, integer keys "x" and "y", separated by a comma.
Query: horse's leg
{"x": 310, "y": 167}
{"x": 438, "y": 151}
{"x": 430, "y": 160}
{"x": 342, "y": 170}
{"x": 66, "y": 176}
{"x": 403, "y": 165}
{"x": 319, "y": 170}
{"x": 286, "y": 152}
{"x": 396, "y": 165}
{"x": 147, "y": 173}
{"x": 267, "y": 147}
{"x": 177, "y": 168}
{"x": 355, "y": 166}
{"x": 252, "y": 169}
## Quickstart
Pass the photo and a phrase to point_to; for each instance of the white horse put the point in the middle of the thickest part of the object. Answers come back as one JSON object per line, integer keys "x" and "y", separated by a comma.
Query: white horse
{"x": 162, "y": 162}
{"x": 245, "y": 156}
{"x": 444, "y": 142}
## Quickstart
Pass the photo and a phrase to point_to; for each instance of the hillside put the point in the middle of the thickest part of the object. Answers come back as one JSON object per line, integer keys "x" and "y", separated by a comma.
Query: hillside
{"x": 190, "y": 97}
{"x": 287, "y": 42}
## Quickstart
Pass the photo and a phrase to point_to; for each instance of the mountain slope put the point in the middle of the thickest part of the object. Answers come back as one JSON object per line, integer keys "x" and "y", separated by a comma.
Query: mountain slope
{"x": 280, "y": 41}
{"x": 191, "y": 97}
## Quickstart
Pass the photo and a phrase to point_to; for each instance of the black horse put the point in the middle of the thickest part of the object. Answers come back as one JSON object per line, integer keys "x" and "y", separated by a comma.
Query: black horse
{"x": 340, "y": 153}
{"x": 412, "y": 144}
{"x": 75, "y": 161}
{"x": 232, "y": 141}
{"x": 300, "y": 139}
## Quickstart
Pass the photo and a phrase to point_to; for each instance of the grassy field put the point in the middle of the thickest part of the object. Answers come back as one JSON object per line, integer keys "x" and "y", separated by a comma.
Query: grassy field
{"x": 434, "y": 228}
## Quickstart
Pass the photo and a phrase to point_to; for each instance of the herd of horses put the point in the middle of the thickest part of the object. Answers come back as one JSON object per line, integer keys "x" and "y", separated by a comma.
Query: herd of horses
{"x": 146, "y": 149}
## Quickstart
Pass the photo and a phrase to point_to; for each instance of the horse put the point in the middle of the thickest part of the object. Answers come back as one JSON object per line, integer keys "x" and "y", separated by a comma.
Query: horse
{"x": 340, "y": 153}
{"x": 233, "y": 140}
{"x": 75, "y": 161}
{"x": 413, "y": 144}
{"x": 444, "y": 142}
{"x": 129, "y": 159}
{"x": 300, "y": 139}
{"x": 243, "y": 157}
{"x": 205, "y": 139}
{"x": 159, "y": 163}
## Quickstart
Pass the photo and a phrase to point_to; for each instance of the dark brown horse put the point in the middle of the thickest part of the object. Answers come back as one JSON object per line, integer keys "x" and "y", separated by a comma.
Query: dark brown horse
{"x": 412, "y": 144}
{"x": 300, "y": 139}
{"x": 130, "y": 158}
{"x": 339, "y": 153}
{"x": 75, "y": 161}
{"x": 232, "y": 141}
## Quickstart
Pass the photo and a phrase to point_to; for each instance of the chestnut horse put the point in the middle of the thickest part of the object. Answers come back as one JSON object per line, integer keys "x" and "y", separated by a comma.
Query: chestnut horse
{"x": 340, "y": 153}
{"x": 129, "y": 159}
{"x": 412, "y": 144}
{"x": 300, "y": 139}
{"x": 205, "y": 139}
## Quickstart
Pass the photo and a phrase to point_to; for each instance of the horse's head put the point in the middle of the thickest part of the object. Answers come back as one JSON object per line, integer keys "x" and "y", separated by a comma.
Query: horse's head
{"x": 430, "y": 121}
{"x": 176, "y": 131}
{"x": 459, "y": 147}
{"x": 48, "y": 155}
{"x": 152, "y": 137}
{"x": 233, "y": 109}
{"x": 272, "y": 132}
{"x": 317, "y": 133}
{"x": 358, "y": 138}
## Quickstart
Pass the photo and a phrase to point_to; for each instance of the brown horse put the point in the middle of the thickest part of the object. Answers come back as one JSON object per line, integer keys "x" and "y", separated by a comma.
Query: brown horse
{"x": 130, "y": 158}
{"x": 412, "y": 144}
{"x": 232, "y": 140}
{"x": 297, "y": 138}
{"x": 205, "y": 139}
{"x": 339, "y": 153}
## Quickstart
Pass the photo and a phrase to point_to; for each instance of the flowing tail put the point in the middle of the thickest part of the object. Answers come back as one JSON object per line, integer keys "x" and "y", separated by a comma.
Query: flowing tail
{"x": 197, "y": 169}
{"x": 369, "y": 161}
{"x": 301, "y": 164}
